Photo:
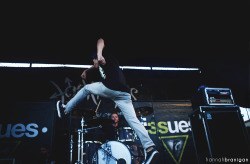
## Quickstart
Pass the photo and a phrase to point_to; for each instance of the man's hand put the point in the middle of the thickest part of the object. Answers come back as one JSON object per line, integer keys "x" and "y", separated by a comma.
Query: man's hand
{"x": 84, "y": 75}
{"x": 101, "y": 60}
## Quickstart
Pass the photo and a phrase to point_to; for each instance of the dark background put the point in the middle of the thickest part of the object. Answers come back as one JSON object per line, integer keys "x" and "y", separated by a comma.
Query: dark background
{"x": 212, "y": 36}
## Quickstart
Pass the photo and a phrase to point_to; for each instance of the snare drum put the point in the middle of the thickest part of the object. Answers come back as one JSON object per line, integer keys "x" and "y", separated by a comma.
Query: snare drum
{"x": 110, "y": 152}
{"x": 126, "y": 134}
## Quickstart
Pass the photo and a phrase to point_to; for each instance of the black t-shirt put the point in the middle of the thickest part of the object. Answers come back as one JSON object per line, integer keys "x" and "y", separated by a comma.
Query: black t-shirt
{"x": 112, "y": 75}
{"x": 110, "y": 132}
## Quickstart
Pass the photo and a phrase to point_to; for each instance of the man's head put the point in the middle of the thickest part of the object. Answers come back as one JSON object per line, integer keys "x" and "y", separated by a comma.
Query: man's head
{"x": 114, "y": 117}
{"x": 94, "y": 55}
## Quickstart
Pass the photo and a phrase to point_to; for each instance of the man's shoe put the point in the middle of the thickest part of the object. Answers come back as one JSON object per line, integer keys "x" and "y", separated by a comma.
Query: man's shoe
{"x": 151, "y": 157}
{"x": 60, "y": 108}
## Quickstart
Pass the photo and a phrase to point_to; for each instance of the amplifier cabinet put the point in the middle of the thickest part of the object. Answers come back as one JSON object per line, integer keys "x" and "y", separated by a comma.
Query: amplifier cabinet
{"x": 219, "y": 133}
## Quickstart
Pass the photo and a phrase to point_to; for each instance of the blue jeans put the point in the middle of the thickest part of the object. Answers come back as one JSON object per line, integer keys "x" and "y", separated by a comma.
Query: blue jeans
{"x": 123, "y": 101}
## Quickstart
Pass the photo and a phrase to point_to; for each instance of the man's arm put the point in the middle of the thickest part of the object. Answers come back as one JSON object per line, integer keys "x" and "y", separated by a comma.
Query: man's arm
{"x": 100, "y": 58}
{"x": 100, "y": 46}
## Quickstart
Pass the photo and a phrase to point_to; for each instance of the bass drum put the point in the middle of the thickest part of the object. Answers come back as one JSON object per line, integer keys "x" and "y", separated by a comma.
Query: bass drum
{"x": 112, "y": 152}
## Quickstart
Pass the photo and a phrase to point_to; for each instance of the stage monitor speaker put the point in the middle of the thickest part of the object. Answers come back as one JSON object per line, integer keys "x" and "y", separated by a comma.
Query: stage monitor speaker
{"x": 219, "y": 133}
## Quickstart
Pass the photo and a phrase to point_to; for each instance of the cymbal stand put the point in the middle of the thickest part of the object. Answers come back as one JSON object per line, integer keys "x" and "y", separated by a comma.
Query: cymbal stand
{"x": 71, "y": 148}
{"x": 79, "y": 146}
{"x": 82, "y": 124}
{"x": 80, "y": 143}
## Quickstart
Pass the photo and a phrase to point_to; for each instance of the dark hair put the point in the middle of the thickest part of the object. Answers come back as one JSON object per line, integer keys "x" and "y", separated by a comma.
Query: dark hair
{"x": 94, "y": 55}
{"x": 114, "y": 113}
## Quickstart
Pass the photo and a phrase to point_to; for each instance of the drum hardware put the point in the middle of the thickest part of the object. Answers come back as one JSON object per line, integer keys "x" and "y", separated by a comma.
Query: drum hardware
{"x": 82, "y": 124}
{"x": 81, "y": 113}
{"x": 80, "y": 143}
{"x": 71, "y": 148}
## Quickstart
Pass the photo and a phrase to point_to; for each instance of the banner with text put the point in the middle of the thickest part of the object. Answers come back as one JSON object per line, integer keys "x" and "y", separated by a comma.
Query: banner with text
{"x": 25, "y": 127}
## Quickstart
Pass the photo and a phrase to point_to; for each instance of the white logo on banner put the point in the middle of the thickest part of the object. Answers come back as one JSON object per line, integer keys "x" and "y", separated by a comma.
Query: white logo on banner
{"x": 70, "y": 91}
{"x": 20, "y": 130}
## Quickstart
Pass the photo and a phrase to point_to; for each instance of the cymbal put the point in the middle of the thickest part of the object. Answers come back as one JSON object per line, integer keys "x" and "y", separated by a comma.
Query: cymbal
{"x": 78, "y": 113}
{"x": 144, "y": 111}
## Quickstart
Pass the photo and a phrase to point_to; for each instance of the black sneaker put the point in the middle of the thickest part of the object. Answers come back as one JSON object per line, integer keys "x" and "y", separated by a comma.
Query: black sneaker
{"x": 60, "y": 108}
{"x": 151, "y": 157}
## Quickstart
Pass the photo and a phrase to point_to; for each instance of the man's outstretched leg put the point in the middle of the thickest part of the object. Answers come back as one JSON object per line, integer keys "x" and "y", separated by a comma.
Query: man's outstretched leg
{"x": 123, "y": 101}
{"x": 94, "y": 88}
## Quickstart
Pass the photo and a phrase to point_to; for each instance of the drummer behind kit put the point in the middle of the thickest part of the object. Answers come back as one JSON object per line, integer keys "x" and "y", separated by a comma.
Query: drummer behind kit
{"x": 122, "y": 150}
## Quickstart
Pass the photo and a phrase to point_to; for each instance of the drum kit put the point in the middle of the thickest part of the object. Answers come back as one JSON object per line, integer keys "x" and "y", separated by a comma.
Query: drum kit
{"x": 123, "y": 150}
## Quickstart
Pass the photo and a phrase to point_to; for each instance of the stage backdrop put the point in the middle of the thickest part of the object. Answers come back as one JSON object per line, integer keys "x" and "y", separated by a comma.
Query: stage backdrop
{"x": 169, "y": 128}
{"x": 24, "y": 127}
{"x": 27, "y": 125}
